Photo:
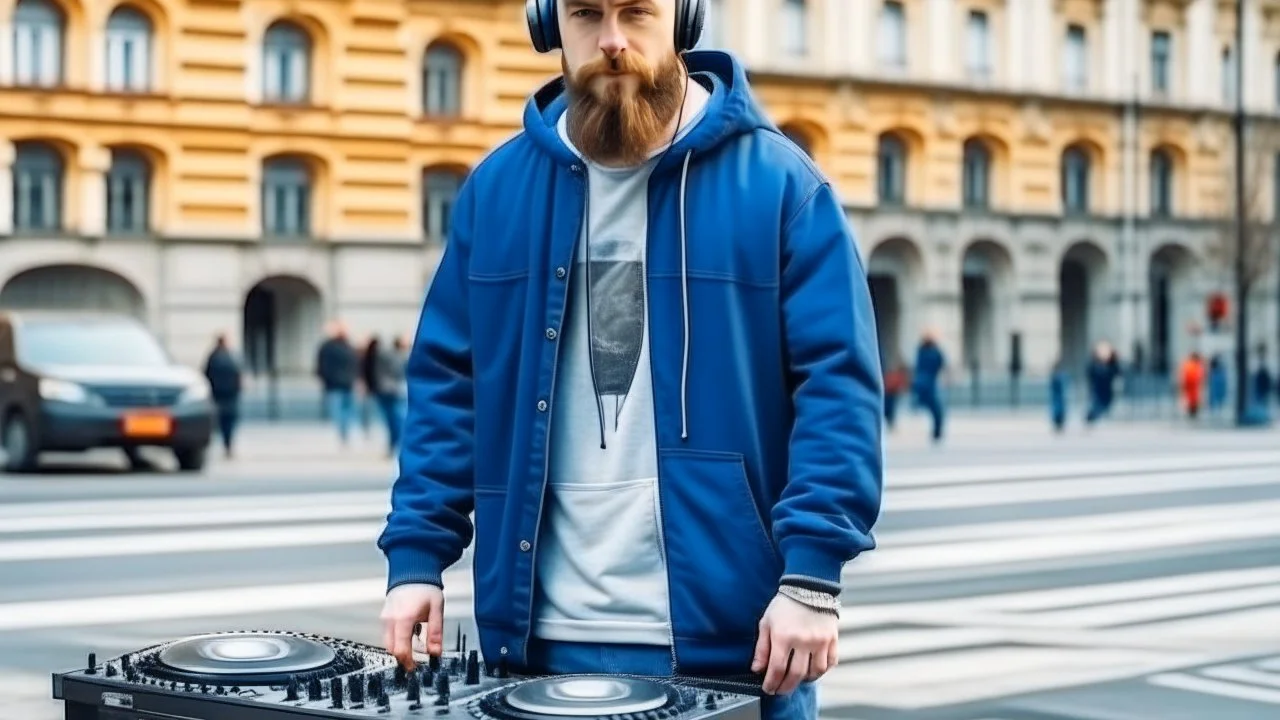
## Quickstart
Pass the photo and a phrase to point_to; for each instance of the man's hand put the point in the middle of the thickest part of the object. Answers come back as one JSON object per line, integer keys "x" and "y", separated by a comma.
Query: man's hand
{"x": 790, "y": 631}
{"x": 406, "y": 606}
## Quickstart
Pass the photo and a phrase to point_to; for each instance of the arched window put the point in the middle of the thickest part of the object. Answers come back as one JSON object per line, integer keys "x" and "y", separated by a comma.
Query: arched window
{"x": 37, "y": 187}
{"x": 37, "y": 43}
{"x": 439, "y": 192}
{"x": 286, "y": 64}
{"x": 1161, "y": 183}
{"x": 1075, "y": 180}
{"x": 442, "y": 80}
{"x": 891, "y": 170}
{"x": 286, "y": 197}
{"x": 128, "y": 192}
{"x": 976, "y": 178}
{"x": 799, "y": 138}
{"x": 128, "y": 51}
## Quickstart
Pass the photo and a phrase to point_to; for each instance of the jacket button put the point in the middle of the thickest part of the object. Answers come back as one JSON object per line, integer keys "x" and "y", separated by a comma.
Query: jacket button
{"x": 561, "y": 272}
{"x": 551, "y": 333}
{"x": 542, "y": 406}
{"x": 524, "y": 546}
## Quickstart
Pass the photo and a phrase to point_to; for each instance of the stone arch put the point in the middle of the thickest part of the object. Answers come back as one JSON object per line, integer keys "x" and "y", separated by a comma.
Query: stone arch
{"x": 988, "y": 292}
{"x": 895, "y": 274}
{"x": 73, "y": 287}
{"x": 1174, "y": 301}
{"x": 282, "y": 325}
{"x": 1084, "y": 290}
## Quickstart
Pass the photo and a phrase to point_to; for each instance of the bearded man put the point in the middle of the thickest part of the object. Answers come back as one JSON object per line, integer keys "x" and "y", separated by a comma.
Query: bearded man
{"x": 648, "y": 363}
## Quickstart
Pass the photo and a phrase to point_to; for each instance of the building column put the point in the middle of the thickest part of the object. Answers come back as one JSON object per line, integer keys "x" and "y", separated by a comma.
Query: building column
{"x": 861, "y": 49}
{"x": 942, "y": 26}
{"x": 1042, "y": 60}
{"x": 6, "y": 45}
{"x": 6, "y": 185}
{"x": 1259, "y": 94}
{"x": 1011, "y": 65}
{"x": 757, "y": 18}
{"x": 1202, "y": 79}
{"x": 95, "y": 161}
{"x": 98, "y": 56}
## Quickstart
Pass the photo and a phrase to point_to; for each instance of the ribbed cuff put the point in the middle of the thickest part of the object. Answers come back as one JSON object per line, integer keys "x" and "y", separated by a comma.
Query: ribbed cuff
{"x": 804, "y": 559}
{"x": 814, "y": 584}
{"x": 407, "y": 565}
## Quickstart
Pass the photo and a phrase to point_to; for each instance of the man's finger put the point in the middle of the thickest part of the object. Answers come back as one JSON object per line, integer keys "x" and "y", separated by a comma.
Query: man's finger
{"x": 833, "y": 654}
{"x": 435, "y": 626}
{"x": 779, "y": 656}
{"x": 402, "y": 642}
{"x": 796, "y": 671}
{"x": 761, "y": 658}
{"x": 819, "y": 663}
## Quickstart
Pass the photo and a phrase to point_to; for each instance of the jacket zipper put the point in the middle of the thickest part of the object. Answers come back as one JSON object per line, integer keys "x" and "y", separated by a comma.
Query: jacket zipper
{"x": 657, "y": 491}
{"x": 551, "y": 408}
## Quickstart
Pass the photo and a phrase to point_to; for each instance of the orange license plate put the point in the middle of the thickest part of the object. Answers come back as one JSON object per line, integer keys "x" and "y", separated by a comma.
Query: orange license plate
{"x": 147, "y": 425}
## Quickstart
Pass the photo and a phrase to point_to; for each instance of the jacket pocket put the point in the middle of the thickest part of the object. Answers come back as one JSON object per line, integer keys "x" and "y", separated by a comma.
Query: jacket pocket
{"x": 491, "y": 560}
{"x": 723, "y": 565}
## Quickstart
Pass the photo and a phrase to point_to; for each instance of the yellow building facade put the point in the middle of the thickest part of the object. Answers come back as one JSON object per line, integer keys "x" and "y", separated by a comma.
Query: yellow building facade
{"x": 1046, "y": 169}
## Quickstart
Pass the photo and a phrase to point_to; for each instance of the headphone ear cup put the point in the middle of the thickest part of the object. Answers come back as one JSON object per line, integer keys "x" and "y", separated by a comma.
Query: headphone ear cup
{"x": 689, "y": 24}
{"x": 544, "y": 27}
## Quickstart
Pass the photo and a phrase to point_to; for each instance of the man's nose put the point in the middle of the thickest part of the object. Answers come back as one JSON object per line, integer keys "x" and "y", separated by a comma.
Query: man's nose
{"x": 612, "y": 41}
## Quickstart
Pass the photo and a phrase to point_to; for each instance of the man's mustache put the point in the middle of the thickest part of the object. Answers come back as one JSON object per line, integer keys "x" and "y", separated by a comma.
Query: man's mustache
{"x": 620, "y": 64}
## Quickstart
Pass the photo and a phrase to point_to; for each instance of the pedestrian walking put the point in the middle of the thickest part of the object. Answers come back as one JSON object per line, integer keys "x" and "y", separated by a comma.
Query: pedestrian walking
{"x": 338, "y": 368}
{"x": 1191, "y": 380}
{"x": 225, "y": 375}
{"x": 925, "y": 381}
{"x": 1059, "y": 382}
{"x": 648, "y": 363}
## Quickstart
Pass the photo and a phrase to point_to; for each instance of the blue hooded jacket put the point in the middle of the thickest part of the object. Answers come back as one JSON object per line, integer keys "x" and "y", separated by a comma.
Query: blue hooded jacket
{"x": 766, "y": 378}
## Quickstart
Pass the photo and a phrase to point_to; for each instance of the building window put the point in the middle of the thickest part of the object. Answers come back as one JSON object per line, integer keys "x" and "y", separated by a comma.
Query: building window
{"x": 799, "y": 138}
{"x": 442, "y": 81}
{"x": 439, "y": 192}
{"x": 1228, "y": 76}
{"x": 1075, "y": 61}
{"x": 286, "y": 64}
{"x": 795, "y": 27}
{"x": 37, "y": 187}
{"x": 1075, "y": 180}
{"x": 1161, "y": 53}
{"x": 891, "y": 170}
{"x": 978, "y": 44}
{"x": 1161, "y": 184}
{"x": 128, "y": 51}
{"x": 977, "y": 175}
{"x": 892, "y": 36}
{"x": 37, "y": 43}
{"x": 286, "y": 197}
{"x": 128, "y": 188}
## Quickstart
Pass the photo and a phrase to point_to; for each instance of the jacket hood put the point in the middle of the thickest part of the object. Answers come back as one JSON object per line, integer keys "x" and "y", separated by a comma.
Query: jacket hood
{"x": 731, "y": 110}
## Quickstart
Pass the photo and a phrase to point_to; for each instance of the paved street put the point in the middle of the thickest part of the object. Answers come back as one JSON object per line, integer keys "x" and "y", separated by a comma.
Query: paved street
{"x": 1128, "y": 572}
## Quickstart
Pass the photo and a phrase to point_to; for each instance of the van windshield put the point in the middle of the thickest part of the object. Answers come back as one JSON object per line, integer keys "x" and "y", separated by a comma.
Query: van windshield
{"x": 45, "y": 343}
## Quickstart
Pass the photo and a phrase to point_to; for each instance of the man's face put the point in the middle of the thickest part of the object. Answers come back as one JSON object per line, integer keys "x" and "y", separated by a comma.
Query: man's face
{"x": 624, "y": 79}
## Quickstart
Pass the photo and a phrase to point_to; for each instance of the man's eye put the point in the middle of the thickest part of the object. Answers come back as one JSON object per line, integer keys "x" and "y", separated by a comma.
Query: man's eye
{"x": 584, "y": 13}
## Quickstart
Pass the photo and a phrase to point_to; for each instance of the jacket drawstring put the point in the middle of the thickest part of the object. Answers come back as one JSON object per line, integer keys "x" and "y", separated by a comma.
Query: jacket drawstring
{"x": 684, "y": 289}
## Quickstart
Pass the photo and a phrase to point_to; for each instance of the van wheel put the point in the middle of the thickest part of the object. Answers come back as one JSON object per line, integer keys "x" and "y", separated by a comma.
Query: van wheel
{"x": 191, "y": 459}
{"x": 15, "y": 437}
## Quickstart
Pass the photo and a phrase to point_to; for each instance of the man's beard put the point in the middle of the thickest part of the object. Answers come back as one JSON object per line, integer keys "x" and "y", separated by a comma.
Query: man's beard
{"x": 620, "y": 125}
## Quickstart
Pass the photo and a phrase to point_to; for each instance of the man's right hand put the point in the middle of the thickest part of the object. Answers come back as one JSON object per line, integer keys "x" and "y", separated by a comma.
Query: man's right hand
{"x": 405, "y": 607}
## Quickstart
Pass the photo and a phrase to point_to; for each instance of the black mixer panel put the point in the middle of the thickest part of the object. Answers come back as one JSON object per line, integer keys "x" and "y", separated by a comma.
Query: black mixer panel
{"x": 277, "y": 675}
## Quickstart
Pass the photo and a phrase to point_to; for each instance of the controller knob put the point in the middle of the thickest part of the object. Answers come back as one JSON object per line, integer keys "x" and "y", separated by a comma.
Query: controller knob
{"x": 314, "y": 691}
{"x": 473, "y": 668}
{"x": 335, "y": 692}
{"x": 91, "y": 667}
{"x": 291, "y": 691}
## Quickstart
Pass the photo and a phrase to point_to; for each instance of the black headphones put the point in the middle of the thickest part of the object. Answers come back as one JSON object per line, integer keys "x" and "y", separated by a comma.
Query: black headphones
{"x": 544, "y": 24}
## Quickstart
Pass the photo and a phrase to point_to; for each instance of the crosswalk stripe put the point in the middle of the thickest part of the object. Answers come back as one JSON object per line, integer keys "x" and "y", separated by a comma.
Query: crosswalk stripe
{"x": 180, "y": 505}
{"x": 192, "y": 518}
{"x": 188, "y": 542}
{"x": 908, "y": 477}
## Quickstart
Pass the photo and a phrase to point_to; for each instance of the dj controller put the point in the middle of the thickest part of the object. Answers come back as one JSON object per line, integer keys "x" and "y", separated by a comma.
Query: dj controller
{"x": 278, "y": 675}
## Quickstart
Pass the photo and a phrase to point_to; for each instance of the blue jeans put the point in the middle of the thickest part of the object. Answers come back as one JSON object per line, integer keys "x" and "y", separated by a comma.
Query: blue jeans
{"x": 342, "y": 409}
{"x": 560, "y": 658}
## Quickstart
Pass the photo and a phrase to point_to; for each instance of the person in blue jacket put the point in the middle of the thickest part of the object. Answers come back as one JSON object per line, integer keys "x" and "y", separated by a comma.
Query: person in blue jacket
{"x": 648, "y": 364}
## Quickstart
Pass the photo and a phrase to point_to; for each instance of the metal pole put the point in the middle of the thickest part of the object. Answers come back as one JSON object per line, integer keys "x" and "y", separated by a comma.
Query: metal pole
{"x": 1242, "y": 300}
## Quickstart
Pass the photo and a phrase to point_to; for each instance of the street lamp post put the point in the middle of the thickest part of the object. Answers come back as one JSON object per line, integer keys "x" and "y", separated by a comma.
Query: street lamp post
{"x": 1242, "y": 300}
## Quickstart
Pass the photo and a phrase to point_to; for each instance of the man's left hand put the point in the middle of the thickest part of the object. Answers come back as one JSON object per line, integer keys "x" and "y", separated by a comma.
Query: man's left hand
{"x": 796, "y": 644}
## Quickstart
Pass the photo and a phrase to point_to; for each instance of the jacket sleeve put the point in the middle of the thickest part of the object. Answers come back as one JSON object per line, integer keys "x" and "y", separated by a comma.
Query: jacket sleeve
{"x": 833, "y": 492}
{"x": 429, "y": 523}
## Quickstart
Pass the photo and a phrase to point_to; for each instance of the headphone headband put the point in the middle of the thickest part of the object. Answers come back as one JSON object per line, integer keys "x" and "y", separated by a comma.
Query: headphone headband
{"x": 544, "y": 24}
